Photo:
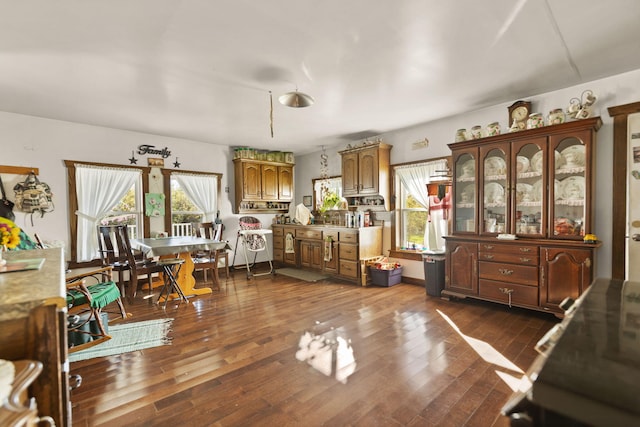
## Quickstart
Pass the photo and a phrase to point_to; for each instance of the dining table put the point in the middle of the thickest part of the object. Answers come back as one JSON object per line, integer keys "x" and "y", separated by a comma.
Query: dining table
{"x": 182, "y": 247}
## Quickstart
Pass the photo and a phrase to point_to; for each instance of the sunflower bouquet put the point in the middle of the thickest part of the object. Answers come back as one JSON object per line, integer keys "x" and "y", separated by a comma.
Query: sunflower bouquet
{"x": 9, "y": 234}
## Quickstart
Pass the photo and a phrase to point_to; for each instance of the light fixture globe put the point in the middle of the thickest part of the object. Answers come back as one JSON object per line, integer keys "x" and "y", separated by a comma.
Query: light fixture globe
{"x": 296, "y": 99}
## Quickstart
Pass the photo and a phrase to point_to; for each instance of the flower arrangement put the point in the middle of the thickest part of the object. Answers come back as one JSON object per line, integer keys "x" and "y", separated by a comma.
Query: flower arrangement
{"x": 9, "y": 233}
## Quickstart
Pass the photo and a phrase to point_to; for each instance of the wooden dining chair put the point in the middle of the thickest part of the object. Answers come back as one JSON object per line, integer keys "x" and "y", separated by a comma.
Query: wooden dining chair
{"x": 210, "y": 260}
{"x": 137, "y": 265}
{"x": 110, "y": 255}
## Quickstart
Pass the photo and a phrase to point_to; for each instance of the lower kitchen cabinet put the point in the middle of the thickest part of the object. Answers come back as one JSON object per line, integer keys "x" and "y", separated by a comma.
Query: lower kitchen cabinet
{"x": 348, "y": 248}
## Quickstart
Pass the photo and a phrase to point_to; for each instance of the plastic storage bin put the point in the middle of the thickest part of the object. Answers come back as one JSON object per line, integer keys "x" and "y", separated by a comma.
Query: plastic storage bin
{"x": 381, "y": 277}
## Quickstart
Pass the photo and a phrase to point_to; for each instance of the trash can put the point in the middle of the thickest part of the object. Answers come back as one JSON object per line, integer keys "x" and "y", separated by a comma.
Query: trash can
{"x": 433, "y": 274}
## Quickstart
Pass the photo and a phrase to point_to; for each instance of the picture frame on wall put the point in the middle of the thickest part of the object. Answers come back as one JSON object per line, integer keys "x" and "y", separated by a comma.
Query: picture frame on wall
{"x": 307, "y": 201}
{"x": 158, "y": 162}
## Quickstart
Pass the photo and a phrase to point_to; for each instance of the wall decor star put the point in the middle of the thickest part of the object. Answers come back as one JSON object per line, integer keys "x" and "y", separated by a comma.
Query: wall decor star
{"x": 133, "y": 160}
{"x": 176, "y": 163}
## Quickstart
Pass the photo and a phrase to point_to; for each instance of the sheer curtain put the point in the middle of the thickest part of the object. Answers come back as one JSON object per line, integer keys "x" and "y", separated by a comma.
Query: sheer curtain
{"x": 415, "y": 178}
{"x": 202, "y": 190}
{"x": 98, "y": 190}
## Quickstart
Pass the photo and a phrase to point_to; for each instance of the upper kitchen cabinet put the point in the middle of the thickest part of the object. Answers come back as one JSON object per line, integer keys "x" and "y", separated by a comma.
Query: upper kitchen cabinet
{"x": 262, "y": 186}
{"x": 365, "y": 174}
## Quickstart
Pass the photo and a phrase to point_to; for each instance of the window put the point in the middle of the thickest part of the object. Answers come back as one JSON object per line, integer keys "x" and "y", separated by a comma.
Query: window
{"x": 194, "y": 198}
{"x": 416, "y": 228}
{"x": 183, "y": 211}
{"x": 128, "y": 211}
{"x": 99, "y": 194}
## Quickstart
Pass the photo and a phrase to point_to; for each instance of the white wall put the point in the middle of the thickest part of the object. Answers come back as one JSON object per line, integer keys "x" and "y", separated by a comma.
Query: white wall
{"x": 617, "y": 90}
{"x": 44, "y": 144}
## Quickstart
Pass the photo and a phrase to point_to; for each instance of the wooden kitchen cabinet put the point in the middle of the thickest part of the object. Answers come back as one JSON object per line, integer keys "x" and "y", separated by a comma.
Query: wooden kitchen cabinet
{"x": 350, "y": 247}
{"x": 525, "y": 199}
{"x": 365, "y": 173}
{"x": 263, "y": 187}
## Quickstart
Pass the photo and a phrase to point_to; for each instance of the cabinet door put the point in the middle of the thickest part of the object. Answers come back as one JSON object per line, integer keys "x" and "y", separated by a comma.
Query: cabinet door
{"x": 332, "y": 266}
{"x": 465, "y": 197}
{"x": 350, "y": 174}
{"x": 461, "y": 266}
{"x": 251, "y": 185}
{"x": 269, "y": 182}
{"x": 311, "y": 254}
{"x": 368, "y": 171}
{"x": 494, "y": 188}
{"x": 285, "y": 183}
{"x": 570, "y": 169}
{"x": 566, "y": 272}
{"x": 529, "y": 160}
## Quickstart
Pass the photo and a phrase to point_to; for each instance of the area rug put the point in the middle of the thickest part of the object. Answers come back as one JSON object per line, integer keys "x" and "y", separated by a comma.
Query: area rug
{"x": 307, "y": 276}
{"x": 129, "y": 337}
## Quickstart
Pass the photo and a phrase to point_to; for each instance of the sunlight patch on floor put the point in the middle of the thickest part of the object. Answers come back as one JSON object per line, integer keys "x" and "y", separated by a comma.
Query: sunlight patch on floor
{"x": 489, "y": 354}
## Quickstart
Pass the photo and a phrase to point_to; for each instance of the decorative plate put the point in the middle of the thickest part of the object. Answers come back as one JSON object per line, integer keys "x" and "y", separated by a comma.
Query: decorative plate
{"x": 537, "y": 190}
{"x": 468, "y": 169}
{"x": 494, "y": 166}
{"x": 574, "y": 155}
{"x": 467, "y": 194}
{"x": 536, "y": 161}
{"x": 493, "y": 193}
{"x": 524, "y": 192}
{"x": 522, "y": 164}
{"x": 572, "y": 188}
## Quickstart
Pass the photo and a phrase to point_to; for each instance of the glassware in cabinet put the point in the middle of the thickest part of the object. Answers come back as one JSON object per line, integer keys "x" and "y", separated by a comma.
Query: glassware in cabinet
{"x": 569, "y": 168}
{"x": 495, "y": 190}
{"x": 465, "y": 166}
{"x": 529, "y": 184}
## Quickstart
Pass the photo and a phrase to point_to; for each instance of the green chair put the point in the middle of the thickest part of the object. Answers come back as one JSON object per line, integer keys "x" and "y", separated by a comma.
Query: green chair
{"x": 87, "y": 309}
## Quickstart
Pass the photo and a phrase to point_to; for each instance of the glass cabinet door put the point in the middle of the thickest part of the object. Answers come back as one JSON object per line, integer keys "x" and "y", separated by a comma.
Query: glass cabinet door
{"x": 465, "y": 193}
{"x": 530, "y": 184}
{"x": 495, "y": 191}
{"x": 569, "y": 168}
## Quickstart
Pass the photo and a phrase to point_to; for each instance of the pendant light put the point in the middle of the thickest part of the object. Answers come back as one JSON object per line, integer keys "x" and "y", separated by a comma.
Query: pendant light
{"x": 296, "y": 99}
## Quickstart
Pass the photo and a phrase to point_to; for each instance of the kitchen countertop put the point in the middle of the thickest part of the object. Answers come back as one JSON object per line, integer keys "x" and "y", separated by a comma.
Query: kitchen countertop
{"x": 21, "y": 291}
{"x": 592, "y": 374}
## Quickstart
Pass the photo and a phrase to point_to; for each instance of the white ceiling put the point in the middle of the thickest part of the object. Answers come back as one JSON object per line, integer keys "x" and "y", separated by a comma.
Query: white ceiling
{"x": 203, "y": 69}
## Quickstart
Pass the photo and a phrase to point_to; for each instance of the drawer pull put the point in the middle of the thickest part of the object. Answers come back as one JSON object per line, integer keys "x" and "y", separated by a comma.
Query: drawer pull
{"x": 488, "y": 256}
{"x": 508, "y": 292}
{"x": 523, "y": 259}
{"x": 505, "y": 271}
{"x": 488, "y": 247}
{"x": 525, "y": 249}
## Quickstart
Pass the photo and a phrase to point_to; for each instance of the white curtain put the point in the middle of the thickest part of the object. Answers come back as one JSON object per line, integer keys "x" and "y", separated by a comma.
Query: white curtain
{"x": 415, "y": 178}
{"x": 202, "y": 190}
{"x": 98, "y": 190}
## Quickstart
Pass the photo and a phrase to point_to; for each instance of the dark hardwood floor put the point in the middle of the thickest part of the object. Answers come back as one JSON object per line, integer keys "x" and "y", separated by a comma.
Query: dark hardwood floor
{"x": 232, "y": 361}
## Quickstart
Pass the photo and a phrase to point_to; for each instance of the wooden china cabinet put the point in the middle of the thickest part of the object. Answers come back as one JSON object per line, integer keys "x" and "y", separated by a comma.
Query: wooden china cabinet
{"x": 523, "y": 204}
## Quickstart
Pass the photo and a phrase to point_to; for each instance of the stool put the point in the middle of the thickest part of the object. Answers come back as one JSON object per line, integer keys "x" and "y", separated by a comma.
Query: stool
{"x": 170, "y": 284}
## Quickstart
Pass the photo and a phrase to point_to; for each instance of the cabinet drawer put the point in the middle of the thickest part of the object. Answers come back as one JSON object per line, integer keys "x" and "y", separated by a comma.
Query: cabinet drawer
{"x": 278, "y": 256}
{"x": 349, "y": 252}
{"x": 349, "y": 268}
{"x": 278, "y": 243}
{"x": 522, "y": 274}
{"x": 303, "y": 233}
{"x": 333, "y": 234}
{"x": 512, "y": 258}
{"x": 499, "y": 291}
{"x": 278, "y": 231}
{"x": 508, "y": 249}
{"x": 348, "y": 237}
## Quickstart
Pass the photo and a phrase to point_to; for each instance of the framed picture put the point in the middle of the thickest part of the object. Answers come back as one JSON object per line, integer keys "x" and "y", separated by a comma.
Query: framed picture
{"x": 156, "y": 162}
{"x": 307, "y": 200}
